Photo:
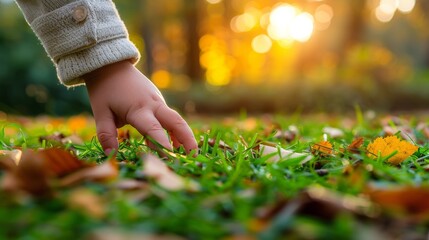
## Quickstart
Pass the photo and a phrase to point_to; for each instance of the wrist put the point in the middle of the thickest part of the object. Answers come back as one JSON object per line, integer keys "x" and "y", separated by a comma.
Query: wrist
{"x": 107, "y": 71}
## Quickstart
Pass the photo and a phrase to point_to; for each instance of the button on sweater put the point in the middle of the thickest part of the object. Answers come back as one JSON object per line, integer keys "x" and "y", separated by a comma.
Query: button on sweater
{"x": 79, "y": 36}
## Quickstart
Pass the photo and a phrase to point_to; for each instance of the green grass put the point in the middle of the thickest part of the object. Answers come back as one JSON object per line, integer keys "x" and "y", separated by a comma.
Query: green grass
{"x": 241, "y": 193}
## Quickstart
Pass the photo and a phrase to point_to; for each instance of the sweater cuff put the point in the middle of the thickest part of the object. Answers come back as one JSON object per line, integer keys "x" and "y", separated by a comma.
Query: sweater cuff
{"x": 71, "y": 68}
{"x": 83, "y": 36}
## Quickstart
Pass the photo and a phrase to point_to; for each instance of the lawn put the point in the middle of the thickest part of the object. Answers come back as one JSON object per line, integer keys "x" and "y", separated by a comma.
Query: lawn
{"x": 361, "y": 176}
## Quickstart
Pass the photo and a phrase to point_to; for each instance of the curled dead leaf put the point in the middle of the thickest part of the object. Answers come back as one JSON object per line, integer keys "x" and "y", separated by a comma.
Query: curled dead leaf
{"x": 60, "y": 162}
{"x": 99, "y": 173}
{"x": 408, "y": 201}
{"x": 155, "y": 168}
{"x": 355, "y": 146}
{"x": 87, "y": 202}
{"x": 30, "y": 176}
{"x": 14, "y": 154}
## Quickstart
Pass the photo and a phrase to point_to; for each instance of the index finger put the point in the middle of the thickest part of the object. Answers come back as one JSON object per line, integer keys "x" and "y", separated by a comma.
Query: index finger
{"x": 175, "y": 124}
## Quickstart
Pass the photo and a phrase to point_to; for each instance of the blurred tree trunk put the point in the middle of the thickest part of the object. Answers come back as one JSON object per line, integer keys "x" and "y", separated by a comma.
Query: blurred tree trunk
{"x": 352, "y": 33}
{"x": 424, "y": 5}
{"x": 146, "y": 30}
{"x": 193, "y": 68}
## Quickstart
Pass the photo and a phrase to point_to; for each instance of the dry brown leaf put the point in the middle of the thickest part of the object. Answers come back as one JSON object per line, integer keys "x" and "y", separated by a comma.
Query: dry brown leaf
{"x": 282, "y": 154}
{"x": 130, "y": 184}
{"x": 100, "y": 173}
{"x": 60, "y": 162}
{"x": 409, "y": 200}
{"x": 119, "y": 234}
{"x": 14, "y": 154}
{"x": 59, "y": 139}
{"x": 389, "y": 145}
{"x": 87, "y": 202}
{"x": 212, "y": 142}
{"x": 155, "y": 168}
{"x": 355, "y": 146}
{"x": 30, "y": 175}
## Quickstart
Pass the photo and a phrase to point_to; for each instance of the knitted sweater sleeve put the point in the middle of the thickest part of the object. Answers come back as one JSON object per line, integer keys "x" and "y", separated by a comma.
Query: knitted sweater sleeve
{"x": 79, "y": 36}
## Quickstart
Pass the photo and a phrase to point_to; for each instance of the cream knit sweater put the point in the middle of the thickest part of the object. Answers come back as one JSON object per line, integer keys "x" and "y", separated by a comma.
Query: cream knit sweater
{"x": 79, "y": 36}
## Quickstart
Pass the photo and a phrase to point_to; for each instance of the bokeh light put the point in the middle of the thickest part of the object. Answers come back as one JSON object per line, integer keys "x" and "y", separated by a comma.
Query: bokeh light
{"x": 261, "y": 43}
{"x": 161, "y": 78}
{"x": 302, "y": 27}
{"x": 287, "y": 22}
{"x": 386, "y": 9}
{"x": 243, "y": 23}
{"x": 323, "y": 16}
{"x": 214, "y": 1}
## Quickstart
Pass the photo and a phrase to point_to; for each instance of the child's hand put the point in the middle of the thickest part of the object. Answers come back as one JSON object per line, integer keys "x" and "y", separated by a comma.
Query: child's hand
{"x": 120, "y": 94}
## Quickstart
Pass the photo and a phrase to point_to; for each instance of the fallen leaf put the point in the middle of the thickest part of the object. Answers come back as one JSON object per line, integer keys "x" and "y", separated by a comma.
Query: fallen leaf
{"x": 155, "y": 168}
{"x": 130, "y": 184}
{"x": 406, "y": 200}
{"x": 59, "y": 139}
{"x": 389, "y": 145}
{"x": 355, "y": 146}
{"x": 30, "y": 175}
{"x": 14, "y": 154}
{"x": 99, "y": 173}
{"x": 88, "y": 202}
{"x": 212, "y": 142}
{"x": 322, "y": 148}
{"x": 123, "y": 135}
{"x": 113, "y": 233}
{"x": 60, "y": 162}
{"x": 288, "y": 135}
{"x": 282, "y": 154}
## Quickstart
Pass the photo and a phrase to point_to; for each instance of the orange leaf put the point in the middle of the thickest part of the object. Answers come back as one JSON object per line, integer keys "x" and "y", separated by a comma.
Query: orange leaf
{"x": 60, "y": 162}
{"x": 323, "y": 148}
{"x": 100, "y": 173}
{"x": 389, "y": 145}
{"x": 355, "y": 145}
{"x": 408, "y": 200}
{"x": 30, "y": 175}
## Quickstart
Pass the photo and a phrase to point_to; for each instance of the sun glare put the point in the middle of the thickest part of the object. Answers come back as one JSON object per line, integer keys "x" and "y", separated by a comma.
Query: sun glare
{"x": 386, "y": 9}
{"x": 288, "y": 23}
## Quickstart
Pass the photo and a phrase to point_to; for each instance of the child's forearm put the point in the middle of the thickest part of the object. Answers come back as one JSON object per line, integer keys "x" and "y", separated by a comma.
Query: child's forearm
{"x": 80, "y": 36}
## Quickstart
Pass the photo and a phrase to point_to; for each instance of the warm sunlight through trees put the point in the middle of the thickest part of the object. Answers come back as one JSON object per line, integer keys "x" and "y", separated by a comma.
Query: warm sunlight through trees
{"x": 302, "y": 52}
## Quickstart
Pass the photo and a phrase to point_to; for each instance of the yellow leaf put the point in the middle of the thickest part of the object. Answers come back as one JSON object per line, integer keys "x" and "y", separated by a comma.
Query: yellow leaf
{"x": 388, "y": 146}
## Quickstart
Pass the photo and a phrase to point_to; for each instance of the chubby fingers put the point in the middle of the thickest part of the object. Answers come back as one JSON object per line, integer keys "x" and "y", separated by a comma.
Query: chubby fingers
{"x": 179, "y": 130}
{"x": 106, "y": 131}
{"x": 146, "y": 123}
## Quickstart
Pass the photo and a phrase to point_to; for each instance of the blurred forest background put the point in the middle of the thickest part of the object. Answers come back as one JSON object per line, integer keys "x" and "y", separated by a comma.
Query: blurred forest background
{"x": 211, "y": 56}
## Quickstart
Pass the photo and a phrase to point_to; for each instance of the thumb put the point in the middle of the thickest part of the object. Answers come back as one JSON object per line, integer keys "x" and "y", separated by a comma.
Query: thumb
{"x": 106, "y": 132}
